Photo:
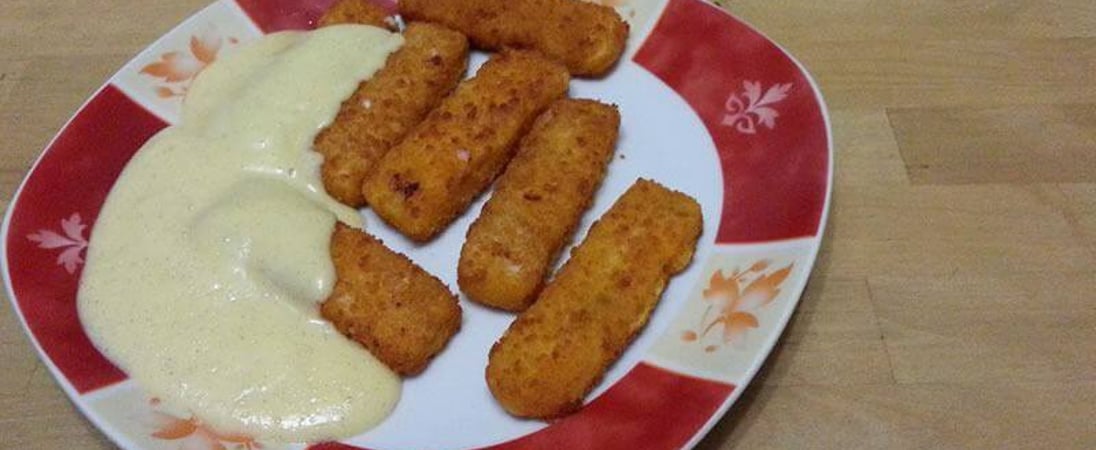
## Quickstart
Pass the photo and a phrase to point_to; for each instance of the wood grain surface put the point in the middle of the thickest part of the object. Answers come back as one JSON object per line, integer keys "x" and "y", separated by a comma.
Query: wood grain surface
{"x": 952, "y": 305}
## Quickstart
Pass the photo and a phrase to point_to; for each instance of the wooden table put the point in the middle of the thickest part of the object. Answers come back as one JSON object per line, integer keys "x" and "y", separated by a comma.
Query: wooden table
{"x": 952, "y": 305}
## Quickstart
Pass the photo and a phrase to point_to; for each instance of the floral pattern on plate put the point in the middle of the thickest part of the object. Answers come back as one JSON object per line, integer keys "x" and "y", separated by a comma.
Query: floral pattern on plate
{"x": 72, "y": 243}
{"x": 737, "y": 309}
{"x": 159, "y": 77}
{"x": 176, "y": 69}
{"x": 733, "y": 308}
{"x": 747, "y": 110}
{"x": 191, "y": 434}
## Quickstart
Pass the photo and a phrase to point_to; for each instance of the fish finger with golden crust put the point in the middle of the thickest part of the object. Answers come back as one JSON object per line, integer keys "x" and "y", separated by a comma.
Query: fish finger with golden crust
{"x": 360, "y": 12}
{"x": 588, "y": 38}
{"x": 394, "y": 308}
{"x": 559, "y": 348}
{"x": 387, "y": 106}
{"x": 537, "y": 203}
{"x": 423, "y": 183}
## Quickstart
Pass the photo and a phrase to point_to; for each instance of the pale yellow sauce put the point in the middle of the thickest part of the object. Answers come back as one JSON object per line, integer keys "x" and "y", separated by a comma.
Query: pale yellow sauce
{"x": 211, "y": 253}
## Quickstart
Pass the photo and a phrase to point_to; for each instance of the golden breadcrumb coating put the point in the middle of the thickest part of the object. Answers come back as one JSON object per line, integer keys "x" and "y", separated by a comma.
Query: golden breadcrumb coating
{"x": 403, "y": 315}
{"x": 586, "y": 37}
{"x": 537, "y": 202}
{"x": 360, "y": 12}
{"x": 423, "y": 183}
{"x": 559, "y": 348}
{"x": 387, "y": 106}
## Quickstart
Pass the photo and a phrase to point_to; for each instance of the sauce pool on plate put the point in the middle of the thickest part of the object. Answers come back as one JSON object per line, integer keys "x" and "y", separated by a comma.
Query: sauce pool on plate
{"x": 210, "y": 256}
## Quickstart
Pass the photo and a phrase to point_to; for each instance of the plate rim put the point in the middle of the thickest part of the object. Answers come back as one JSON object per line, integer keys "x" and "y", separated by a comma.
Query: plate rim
{"x": 816, "y": 239}
{"x": 82, "y": 401}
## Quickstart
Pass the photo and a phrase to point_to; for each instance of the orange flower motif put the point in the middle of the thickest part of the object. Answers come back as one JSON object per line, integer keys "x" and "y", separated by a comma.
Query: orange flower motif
{"x": 180, "y": 67}
{"x": 196, "y": 436}
{"x": 735, "y": 307}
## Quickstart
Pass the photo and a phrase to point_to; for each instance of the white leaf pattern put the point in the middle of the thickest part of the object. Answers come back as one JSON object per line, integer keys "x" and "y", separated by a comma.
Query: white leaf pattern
{"x": 767, "y": 116}
{"x": 73, "y": 228}
{"x": 775, "y": 94}
{"x": 73, "y": 242}
{"x": 752, "y": 106}
{"x": 49, "y": 239}
{"x": 753, "y": 91}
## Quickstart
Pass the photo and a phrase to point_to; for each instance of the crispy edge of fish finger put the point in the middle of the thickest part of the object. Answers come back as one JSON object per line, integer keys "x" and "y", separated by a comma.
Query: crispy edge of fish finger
{"x": 586, "y": 37}
{"x": 423, "y": 183}
{"x": 387, "y": 106}
{"x": 403, "y": 315}
{"x": 360, "y": 12}
{"x": 558, "y": 349}
{"x": 537, "y": 203}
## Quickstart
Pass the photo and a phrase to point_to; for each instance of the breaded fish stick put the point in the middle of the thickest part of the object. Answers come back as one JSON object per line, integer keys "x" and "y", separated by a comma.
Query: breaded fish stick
{"x": 430, "y": 177}
{"x": 587, "y": 38}
{"x": 537, "y": 203}
{"x": 559, "y": 348}
{"x": 386, "y": 107}
{"x": 381, "y": 299}
{"x": 361, "y": 12}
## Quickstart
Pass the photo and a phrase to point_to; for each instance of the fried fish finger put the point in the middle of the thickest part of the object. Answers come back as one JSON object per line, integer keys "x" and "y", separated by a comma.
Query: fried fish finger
{"x": 403, "y": 315}
{"x": 559, "y": 348}
{"x": 537, "y": 203}
{"x": 588, "y": 38}
{"x": 433, "y": 174}
{"x": 387, "y": 106}
{"x": 361, "y": 12}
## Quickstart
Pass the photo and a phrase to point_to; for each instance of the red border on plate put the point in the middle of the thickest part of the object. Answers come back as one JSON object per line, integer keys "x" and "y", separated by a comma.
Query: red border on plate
{"x": 774, "y": 179}
{"x": 279, "y": 15}
{"x": 633, "y": 413}
{"x": 73, "y": 177}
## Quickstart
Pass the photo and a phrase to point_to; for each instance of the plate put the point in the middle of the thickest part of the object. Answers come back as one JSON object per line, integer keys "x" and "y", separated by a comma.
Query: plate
{"x": 710, "y": 107}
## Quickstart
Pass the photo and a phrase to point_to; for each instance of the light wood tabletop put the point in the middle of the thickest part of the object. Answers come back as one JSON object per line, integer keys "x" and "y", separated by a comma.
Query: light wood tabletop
{"x": 953, "y": 302}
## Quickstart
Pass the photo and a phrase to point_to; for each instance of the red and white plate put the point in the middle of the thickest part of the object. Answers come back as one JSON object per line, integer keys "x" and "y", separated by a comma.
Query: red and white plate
{"x": 710, "y": 107}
